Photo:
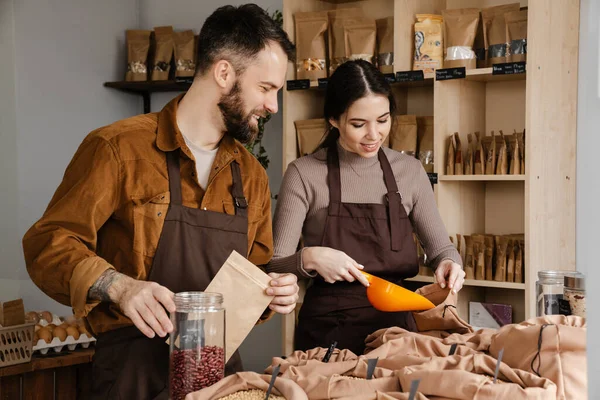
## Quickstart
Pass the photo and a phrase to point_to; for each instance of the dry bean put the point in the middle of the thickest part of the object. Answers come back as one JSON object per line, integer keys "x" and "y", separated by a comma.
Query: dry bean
{"x": 195, "y": 369}
{"x": 253, "y": 394}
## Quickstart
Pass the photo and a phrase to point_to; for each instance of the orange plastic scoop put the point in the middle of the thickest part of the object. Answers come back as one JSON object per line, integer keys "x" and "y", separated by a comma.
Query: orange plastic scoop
{"x": 386, "y": 296}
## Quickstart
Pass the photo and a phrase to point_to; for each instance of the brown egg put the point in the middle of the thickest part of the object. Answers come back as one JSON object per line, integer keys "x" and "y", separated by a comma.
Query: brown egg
{"x": 32, "y": 316}
{"x": 60, "y": 333}
{"x": 64, "y": 325}
{"x": 47, "y": 315}
{"x": 83, "y": 329}
{"x": 73, "y": 331}
{"x": 51, "y": 327}
{"x": 45, "y": 335}
{"x": 36, "y": 338}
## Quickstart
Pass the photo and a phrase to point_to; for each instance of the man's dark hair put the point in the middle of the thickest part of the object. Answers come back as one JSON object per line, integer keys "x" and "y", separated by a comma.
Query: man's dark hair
{"x": 238, "y": 34}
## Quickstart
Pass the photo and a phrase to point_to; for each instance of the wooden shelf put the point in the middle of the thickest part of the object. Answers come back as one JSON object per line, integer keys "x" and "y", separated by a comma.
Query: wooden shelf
{"x": 149, "y": 86}
{"x": 428, "y": 81}
{"x": 485, "y": 75}
{"x": 146, "y": 88}
{"x": 481, "y": 178}
{"x": 474, "y": 282}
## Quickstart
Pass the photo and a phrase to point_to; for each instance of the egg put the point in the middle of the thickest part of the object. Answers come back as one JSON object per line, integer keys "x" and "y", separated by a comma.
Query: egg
{"x": 64, "y": 325}
{"x": 83, "y": 330}
{"x": 60, "y": 333}
{"x": 32, "y": 316}
{"x": 51, "y": 327}
{"x": 47, "y": 315}
{"x": 73, "y": 331}
{"x": 37, "y": 327}
{"x": 45, "y": 335}
{"x": 36, "y": 338}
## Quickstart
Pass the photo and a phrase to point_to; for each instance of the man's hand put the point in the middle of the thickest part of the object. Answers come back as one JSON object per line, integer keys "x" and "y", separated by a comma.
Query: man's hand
{"x": 141, "y": 301}
{"x": 285, "y": 289}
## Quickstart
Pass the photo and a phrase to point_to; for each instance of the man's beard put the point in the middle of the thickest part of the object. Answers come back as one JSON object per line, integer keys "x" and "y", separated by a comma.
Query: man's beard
{"x": 237, "y": 124}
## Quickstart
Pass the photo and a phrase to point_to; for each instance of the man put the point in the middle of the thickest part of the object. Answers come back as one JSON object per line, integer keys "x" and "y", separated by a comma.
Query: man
{"x": 154, "y": 204}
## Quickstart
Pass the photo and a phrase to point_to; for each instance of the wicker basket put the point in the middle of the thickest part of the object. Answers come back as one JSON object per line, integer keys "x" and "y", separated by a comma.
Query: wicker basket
{"x": 16, "y": 344}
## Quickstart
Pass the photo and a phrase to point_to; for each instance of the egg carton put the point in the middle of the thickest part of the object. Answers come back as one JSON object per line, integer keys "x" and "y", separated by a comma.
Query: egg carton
{"x": 70, "y": 343}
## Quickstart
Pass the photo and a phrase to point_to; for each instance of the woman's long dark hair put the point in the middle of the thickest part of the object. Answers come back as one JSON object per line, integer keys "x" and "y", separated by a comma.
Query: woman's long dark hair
{"x": 351, "y": 81}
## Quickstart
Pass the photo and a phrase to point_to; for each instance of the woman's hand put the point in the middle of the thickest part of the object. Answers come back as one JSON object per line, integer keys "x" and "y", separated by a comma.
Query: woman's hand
{"x": 449, "y": 273}
{"x": 333, "y": 265}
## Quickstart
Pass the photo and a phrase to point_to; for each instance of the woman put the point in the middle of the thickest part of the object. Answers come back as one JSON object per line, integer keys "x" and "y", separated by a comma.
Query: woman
{"x": 356, "y": 204}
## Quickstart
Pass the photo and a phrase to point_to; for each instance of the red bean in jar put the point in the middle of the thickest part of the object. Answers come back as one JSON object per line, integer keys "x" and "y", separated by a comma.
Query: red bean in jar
{"x": 197, "y": 344}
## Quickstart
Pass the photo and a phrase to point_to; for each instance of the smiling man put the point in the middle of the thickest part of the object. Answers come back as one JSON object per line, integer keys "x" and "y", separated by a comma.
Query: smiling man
{"x": 154, "y": 204}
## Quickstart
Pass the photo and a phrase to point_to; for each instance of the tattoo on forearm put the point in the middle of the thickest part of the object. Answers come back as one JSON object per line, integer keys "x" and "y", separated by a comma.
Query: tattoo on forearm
{"x": 99, "y": 290}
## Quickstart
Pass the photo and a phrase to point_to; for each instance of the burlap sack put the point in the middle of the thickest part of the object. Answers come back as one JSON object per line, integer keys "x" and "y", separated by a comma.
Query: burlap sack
{"x": 248, "y": 381}
{"x": 335, "y": 380}
{"x": 356, "y": 368}
{"x": 444, "y": 317}
{"x": 552, "y": 347}
{"x": 471, "y": 377}
{"x": 414, "y": 349}
{"x": 479, "y": 340}
{"x": 385, "y": 396}
{"x": 300, "y": 358}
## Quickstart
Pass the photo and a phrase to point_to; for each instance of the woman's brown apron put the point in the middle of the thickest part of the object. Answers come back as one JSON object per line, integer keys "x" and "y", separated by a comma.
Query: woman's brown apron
{"x": 378, "y": 236}
{"x": 193, "y": 245}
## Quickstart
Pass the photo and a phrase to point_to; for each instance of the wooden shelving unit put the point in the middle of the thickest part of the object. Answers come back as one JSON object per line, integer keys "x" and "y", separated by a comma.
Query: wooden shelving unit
{"x": 540, "y": 203}
{"x": 473, "y": 282}
{"x": 146, "y": 88}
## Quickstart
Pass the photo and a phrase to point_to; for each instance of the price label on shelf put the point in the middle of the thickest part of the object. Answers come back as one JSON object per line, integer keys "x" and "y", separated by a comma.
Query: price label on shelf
{"x": 298, "y": 84}
{"x": 450, "y": 73}
{"x": 322, "y": 82}
{"x": 509, "y": 68}
{"x": 409, "y": 76}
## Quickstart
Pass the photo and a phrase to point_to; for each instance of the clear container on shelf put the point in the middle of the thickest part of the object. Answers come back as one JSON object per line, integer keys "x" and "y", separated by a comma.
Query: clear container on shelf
{"x": 197, "y": 343}
{"x": 574, "y": 293}
{"x": 549, "y": 292}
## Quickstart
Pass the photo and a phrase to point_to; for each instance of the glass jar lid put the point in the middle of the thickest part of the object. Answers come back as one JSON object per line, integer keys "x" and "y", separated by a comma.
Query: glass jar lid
{"x": 575, "y": 281}
{"x": 552, "y": 274}
{"x": 190, "y": 301}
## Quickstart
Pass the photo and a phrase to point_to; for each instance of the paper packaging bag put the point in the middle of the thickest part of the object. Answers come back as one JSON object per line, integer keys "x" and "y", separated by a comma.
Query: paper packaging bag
{"x": 403, "y": 137}
{"x": 385, "y": 45}
{"x": 243, "y": 286}
{"x": 185, "y": 63}
{"x": 310, "y": 45}
{"x": 516, "y": 35}
{"x": 138, "y": 44}
{"x": 337, "y": 45}
{"x": 460, "y": 29}
{"x": 310, "y": 132}
{"x": 361, "y": 39}
{"x": 162, "y": 52}
{"x": 494, "y": 31}
{"x": 429, "y": 43}
{"x": 425, "y": 142}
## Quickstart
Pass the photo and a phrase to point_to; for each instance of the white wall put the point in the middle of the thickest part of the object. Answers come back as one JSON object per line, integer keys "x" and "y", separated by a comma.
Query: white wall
{"x": 55, "y": 56}
{"x": 264, "y": 341}
{"x": 588, "y": 187}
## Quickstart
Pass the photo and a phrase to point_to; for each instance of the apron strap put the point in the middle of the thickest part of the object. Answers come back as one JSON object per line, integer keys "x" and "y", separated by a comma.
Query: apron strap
{"x": 394, "y": 200}
{"x": 334, "y": 181}
{"x": 237, "y": 190}
{"x": 174, "y": 176}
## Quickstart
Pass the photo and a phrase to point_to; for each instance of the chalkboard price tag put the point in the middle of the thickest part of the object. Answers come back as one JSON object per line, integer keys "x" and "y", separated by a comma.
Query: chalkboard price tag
{"x": 450, "y": 73}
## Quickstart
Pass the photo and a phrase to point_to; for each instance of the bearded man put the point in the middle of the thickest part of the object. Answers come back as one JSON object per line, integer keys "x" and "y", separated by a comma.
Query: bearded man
{"x": 154, "y": 204}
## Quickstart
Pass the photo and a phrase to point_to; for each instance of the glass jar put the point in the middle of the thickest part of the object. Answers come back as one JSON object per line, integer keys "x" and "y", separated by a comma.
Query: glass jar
{"x": 549, "y": 292}
{"x": 197, "y": 343}
{"x": 574, "y": 293}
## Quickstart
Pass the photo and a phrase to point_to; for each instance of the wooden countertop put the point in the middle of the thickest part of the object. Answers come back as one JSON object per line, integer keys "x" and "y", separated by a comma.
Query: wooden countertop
{"x": 41, "y": 362}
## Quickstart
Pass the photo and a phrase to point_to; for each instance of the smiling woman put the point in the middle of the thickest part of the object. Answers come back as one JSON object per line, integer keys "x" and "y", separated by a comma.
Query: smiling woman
{"x": 356, "y": 204}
